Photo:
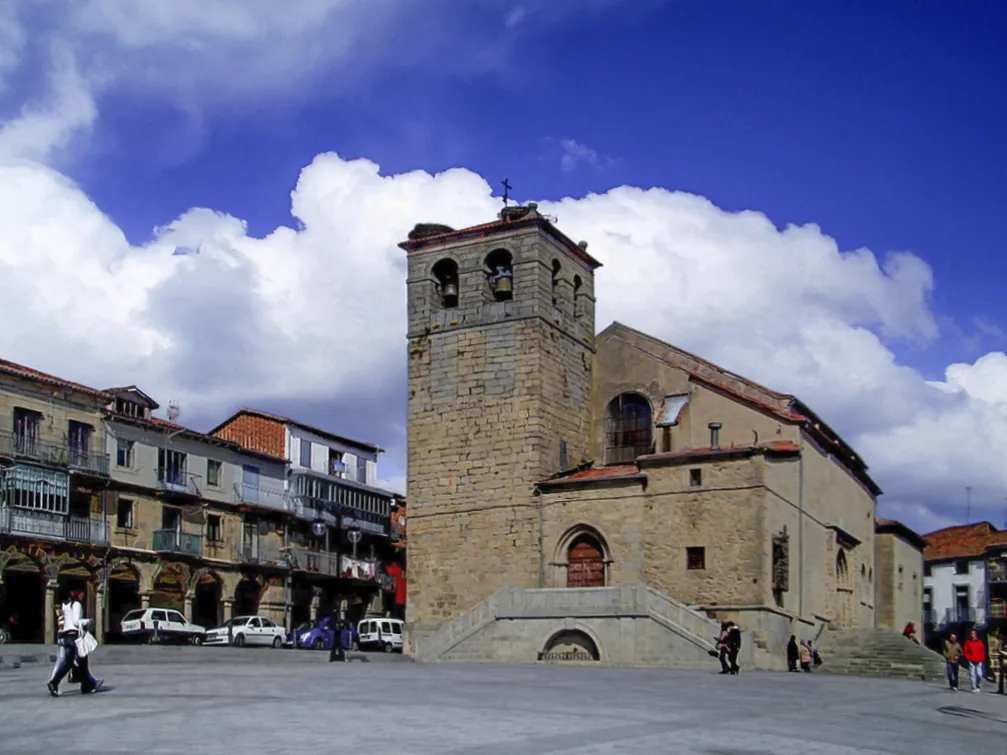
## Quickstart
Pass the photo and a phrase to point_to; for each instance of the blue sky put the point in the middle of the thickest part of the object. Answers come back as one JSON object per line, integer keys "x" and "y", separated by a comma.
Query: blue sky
{"x": 881, "y": 123}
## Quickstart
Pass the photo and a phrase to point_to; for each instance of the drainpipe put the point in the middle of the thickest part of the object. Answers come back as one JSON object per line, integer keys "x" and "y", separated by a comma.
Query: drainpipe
{"x": 800, "y": 532}
{"x": 541, "y": 541}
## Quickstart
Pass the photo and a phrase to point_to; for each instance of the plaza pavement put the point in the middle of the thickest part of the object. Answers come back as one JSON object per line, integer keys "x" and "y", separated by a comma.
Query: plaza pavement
{"x": 250, "y": 701}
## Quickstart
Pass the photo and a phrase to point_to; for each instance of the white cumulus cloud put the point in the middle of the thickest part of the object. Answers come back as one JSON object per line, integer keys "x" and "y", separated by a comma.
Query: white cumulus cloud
{"x": 786, "y": 307}
{"x": 315, "y": 311}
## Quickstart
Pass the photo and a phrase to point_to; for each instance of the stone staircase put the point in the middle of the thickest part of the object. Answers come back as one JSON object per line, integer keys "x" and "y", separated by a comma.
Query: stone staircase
{"x": 879, "y": 653}
{"x": 631, "y": 625}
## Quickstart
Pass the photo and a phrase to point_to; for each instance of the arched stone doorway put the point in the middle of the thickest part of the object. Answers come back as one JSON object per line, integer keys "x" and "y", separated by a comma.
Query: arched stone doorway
{"x": 168, "y": 591}
{"x": 123, "y": 597}
{"x": 246, "y": 598}
{"x": 844, "y": 590}
{"x": 22, "y": 598}
{"x": 207, "y": 608}
{"x": 570, "y": 645}
{"x": 585, "y": 562}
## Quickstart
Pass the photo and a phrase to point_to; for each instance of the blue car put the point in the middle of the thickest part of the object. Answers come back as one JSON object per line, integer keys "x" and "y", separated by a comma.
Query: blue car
{"x": 317, "y": 635}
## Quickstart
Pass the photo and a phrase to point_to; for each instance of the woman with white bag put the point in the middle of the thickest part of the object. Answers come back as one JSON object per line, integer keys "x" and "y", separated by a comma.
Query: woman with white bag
{"x": 74, "y": 645}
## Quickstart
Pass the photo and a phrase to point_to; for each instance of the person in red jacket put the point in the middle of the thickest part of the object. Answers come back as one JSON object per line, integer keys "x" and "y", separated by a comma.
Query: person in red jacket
{"x": 975, "y": 654}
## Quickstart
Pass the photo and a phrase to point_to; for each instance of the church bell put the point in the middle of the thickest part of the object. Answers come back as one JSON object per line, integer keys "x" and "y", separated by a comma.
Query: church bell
{"x": 504, "y": 284}
{"x": 450, "y": 291}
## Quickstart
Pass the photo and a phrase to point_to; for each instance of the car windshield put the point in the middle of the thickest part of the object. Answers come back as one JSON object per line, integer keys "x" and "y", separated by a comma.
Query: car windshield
{"x": 237, "y": 621}
{"x": 134, "y": 615}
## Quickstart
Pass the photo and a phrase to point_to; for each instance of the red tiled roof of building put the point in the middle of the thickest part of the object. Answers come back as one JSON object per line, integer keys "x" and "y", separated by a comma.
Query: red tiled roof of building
{"x": 194, "y": 434}
{"x": 243, "y": 437}
{"x": 772, "y": 447}
{"x": 622, "y": 471}
{"x": 27, "y": 373}
{"x": 596, "y": 474}
{"x": 962, "y": 541}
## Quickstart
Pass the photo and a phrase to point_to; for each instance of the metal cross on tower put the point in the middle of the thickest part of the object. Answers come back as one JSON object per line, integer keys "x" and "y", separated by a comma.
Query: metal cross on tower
{"x": 507, "y": 188}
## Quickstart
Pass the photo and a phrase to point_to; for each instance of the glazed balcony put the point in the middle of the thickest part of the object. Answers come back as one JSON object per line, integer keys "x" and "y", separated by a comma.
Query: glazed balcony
{"x": 53, "y": 526}
{"x": 998, "y": 571}
{"x": 170, "y": 541}
{"x": 53, "y": 452}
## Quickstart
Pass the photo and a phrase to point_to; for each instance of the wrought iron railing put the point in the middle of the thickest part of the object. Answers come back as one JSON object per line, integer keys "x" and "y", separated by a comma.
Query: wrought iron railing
{"x": 261, "y": 554}
{"x": 58, "y": 453}
{"x": 959, "y": 615}
{"x": 32, "y": 523}
{"x": 177, "y": 481}
{"x": 319, "y": 562}
{"x": 172, "y": 541}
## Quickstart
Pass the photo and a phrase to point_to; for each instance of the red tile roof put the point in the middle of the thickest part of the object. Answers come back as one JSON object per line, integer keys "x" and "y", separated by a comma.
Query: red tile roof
{"x": 193, "y": 434}
{"x": 622, "y": 471}
{"x": 962, "y": 541}
{"x": 596, "y": 474}
{"x": 794, "y": 411}
{"x": 773, "y": 446}
{"x": 27, "y": 373}
{"x": 220, "y": 429}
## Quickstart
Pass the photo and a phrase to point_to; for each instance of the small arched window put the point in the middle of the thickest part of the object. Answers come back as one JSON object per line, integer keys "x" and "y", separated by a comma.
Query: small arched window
{"x": 629, "y": 428}
{"x": 446, "y": 277}
{"x": 555, "y": 282}
{"x": 500, "y": 274}
{"x": 577, "y": 283}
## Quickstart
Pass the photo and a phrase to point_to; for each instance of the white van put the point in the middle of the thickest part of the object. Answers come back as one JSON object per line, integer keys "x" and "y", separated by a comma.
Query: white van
{"x": 382, "y": 634}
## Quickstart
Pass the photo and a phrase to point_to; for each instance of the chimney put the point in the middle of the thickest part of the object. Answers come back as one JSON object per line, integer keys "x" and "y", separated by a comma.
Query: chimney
{"x": 714, "y": 435}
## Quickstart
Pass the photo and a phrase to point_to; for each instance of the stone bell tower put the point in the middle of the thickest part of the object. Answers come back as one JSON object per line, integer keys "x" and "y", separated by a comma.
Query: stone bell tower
{"x": 501, "y": 345}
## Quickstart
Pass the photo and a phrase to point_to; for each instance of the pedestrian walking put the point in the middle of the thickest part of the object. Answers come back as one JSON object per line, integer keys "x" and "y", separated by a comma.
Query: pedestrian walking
{"x": 733, "y": 647}
{"x": 953, "y": 657}
{"x": 805, "y": 656}
{"x": 725, "y": 668}
{"x": 975, "y": 655}
{"x": 793, "y": 654}
{"x": 71, "y": 638}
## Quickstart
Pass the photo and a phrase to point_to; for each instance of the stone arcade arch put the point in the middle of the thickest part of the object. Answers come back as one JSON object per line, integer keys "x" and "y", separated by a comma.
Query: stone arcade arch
{"x": 123, "y": 596}
{"x": 570, "y": 645}
{"x": 22, "y": 595}
{"x": 582, "y": 557}
{"x": 246, "y": 597}
{"x": 207, "y": 607}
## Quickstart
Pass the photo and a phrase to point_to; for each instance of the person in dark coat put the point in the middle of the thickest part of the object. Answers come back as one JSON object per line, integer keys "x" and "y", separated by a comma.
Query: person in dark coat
{"x": 338, "y": 652}
{"x": 733, "y": 647}
{"x": 793, "y": 653}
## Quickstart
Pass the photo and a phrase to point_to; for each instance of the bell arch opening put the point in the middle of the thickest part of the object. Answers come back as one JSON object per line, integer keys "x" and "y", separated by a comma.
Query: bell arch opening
{"x": 500, "y": 274}
{"x": 445, "y": 274}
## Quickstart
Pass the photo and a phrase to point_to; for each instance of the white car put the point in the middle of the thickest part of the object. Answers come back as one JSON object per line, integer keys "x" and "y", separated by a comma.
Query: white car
{"x": 152, "y": 625}
{"x": 382, "y": 634}
{"x": 247, "y": 630}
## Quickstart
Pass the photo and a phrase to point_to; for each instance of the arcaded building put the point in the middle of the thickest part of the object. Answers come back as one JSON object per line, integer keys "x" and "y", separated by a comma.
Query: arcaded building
{"x": 560, "y": 480}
